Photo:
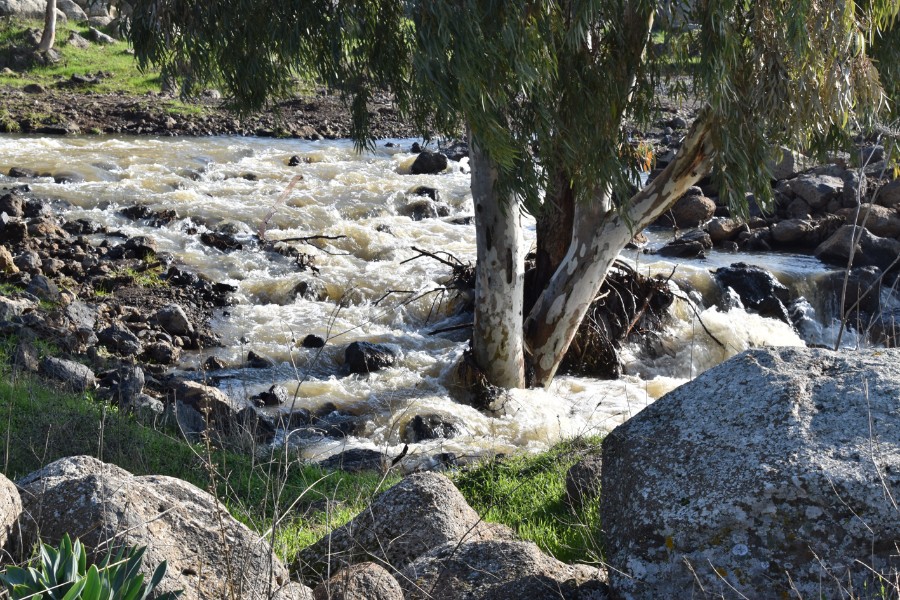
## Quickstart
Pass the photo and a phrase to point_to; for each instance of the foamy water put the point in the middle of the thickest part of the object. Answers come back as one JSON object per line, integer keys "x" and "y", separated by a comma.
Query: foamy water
{"x": 375, "y": 289}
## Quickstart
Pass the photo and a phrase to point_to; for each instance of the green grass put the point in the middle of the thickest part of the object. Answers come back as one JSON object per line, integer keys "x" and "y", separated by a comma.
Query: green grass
{"x": 114, "y": 58}
{"x": 527, "y": 493}
{"x": 40, "y": 423}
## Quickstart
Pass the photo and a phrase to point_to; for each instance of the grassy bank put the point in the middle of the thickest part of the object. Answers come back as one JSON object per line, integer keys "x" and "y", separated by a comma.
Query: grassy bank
{"x": 40, "y": 423}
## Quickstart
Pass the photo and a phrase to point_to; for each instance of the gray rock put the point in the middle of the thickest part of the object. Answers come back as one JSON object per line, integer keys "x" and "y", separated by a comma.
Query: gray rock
{"x": 258, "y": 361}
{"x": 430, "y": 427}
{"x": 14, "y": 307}
{"x": 13, "y": 205}
{"x": 792, "y": 231}
{"x": 423, "y": 511}
{"x": 356, "y": 460}
{"x": 758, "y": 289}
{"x": 29, "y": 261}
{"x": 24, "y": 9}
{"x": 817, "y": 190}
{"x": 692, "y": 210}
{"x": 76, "y": 41}
{"x": 173, "y": 320}
{"x": 117, "y": 338}
{"x": 497, "y": 570}
{"x": 788, "y": 164}
{"x": 10, "y": 512}
{"x": 80, "y": 315}
{"x": 889, "y": 194}
{"x": 365, "y": 581}
{"x": 207, "y": 550}
{"x": 43, "y": 288}
{"x": 583, "y": 480}
{"x": 71, "y": 10}
{"x": 208, "y": 401}
{"x": 769, "y": 475}
{"x": 722, "y": 229}
{"x": 274, "y": 396}
{"x": 131, "y": 383}
{"x": 100, "y": 37}
{"x": 365, "y": 357}
{"x": 870, "y": 250}
{"x": 423, "y": 208}
{"x": 879, "y": 220}
{"x": 74, "y": 375}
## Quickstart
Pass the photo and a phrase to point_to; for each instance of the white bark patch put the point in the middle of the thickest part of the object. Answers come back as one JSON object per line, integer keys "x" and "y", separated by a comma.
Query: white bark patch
{"x": 556, "y": 308}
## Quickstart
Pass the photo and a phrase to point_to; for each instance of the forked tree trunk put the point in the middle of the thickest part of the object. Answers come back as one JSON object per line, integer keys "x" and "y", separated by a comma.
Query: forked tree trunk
{"x": 48, "y": 38}
{"x": 598, "y": 236}
{"x": 499, "y": 277}
{"x": 554, "y": 233}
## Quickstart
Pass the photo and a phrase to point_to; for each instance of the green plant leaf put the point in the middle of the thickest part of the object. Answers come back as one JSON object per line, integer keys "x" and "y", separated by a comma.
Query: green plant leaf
{"x": 92, "y": 588}
{"x": 75, "y": 591}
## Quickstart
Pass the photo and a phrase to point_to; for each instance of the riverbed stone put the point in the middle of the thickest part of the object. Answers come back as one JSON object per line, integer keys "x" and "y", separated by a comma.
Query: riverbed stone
{"x": 174, "y": 320}
{"x": 881, "y": 221}
{"x": 355, "y": 460}
{"x": 274, "y": 396}
{"x": 722, "y": 229}
{"x": 870, "y": 249}
{"x": 207, "y": 550}
{"x": 817, "y": 190}
{"x": 889, "y": 194}
{"x": 692, "y": 210}
{"x": 210, "y": 402}
{"x": 73, "y": 375}
{"x": 583, "y": 480}
{"x": 119, "y": 339}
{"x": 43, "y": 288}
{"x": 14, "y": 307}
{"x": 430, "y": 427}
{"x": 29, "y": 261}
{"x": 770, "y": 475}
{"x": 13, "y": 205}
{"x": 758, "y": 289}
{"x": 428, "y": 163}
{"x": 422, "y": 512}
{"x": 365, "y": 357}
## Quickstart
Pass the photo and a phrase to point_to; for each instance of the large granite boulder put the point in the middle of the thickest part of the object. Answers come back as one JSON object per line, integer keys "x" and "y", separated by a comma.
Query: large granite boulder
{"x": 869, "y": 250}
{"x": 774, "y": 474}
{"x": 497, "y": 570}
{"x": 209, "y": 553}
{"x": 10, "y": 511}
{"x": 365, "y": 581}
{"x": 420, "y": 513}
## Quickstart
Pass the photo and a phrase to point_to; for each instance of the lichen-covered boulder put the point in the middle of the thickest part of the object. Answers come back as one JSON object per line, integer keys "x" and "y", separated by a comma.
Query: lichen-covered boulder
{"x": 10, "y": 511}
{"x": 498, "y": 570}
{"x": 774, "y": 474}
{"x": 365, "y": 581}
{"x": 209, "y": 553}
{"x": 423, "y": 511}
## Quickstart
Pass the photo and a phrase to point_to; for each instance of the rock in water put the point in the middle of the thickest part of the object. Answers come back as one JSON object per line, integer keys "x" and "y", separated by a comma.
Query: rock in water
{"x": 774, "y": 474}
{"x": 364, "y": 357}
{"x": 428, "y": 163}
{"x": 757, "y": 288}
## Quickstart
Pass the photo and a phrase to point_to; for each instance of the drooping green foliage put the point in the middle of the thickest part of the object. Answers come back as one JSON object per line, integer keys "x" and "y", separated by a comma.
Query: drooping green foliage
{"x": 63, "y": 574}
{"x": 886, "y": 54}
{"x": 544, "y": 85}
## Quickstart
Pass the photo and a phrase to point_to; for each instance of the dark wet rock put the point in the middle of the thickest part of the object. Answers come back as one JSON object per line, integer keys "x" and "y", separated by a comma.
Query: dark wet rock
{"x": 35, "y": 208}
{"x": 365, "y": 581}
{"x": 214, "y": 363}
{"x": 120, "y": 340}
{"x": 130, "y": 383}
{"x": 855, "y": 188}
{"x": 334, "y": 424}
{"x": 295, "y": 161}
{"x": 14, "y": 232}
{"x": 863, "y": 290}
{"x": 456, "y": 151}
{"x": 258, "y": 361}
{"x": 423, "y": 208}
{"x": 428, "y": 163}
{"x": 583, "y": 480}
{"x": 13, "y": 205}
{"x": 870, "y": 250}
{"x": 312, "y": 341}
{"x": 757, "y": 288}
{"x": 429, "y": 427}
{"x": 757, "y": 240}
{"x": 817, "y": 190}
{"x": 691, "y": 245}
{"x": 81, "y": 315}
{"x": 311, "y": 289}
{"x": 365, "y": 357}
{"x": 274, "y": 396}
{"x": 756, "y": 480}
{"x": 298, "y": 418}
{"x": 424, "y": 190}
{"x": 173, "y": 319}
{"x": 161, "y": 353}
{"x": 43, "y": 288}
{"x": 25, "y": 356}
{"x": 355, "y": 460}
{"x": 220, "y": 241}
{"x": 72, "y": 374}
{"x": 21, "y": 172}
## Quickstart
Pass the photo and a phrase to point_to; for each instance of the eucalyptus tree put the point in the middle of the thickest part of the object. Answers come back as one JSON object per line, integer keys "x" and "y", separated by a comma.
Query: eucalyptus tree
{"x": 545, "y": 89}
{"x": 48, "y": 37}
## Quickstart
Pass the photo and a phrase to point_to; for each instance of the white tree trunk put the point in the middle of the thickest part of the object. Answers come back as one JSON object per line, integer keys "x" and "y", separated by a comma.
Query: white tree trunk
{"x": 499, "y": 277}
{"x": 599, "y": 235}
{"x": 48, "y": 38}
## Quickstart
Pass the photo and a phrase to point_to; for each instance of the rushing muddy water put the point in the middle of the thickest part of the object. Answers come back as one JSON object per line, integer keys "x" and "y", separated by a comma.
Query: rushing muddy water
{"x": 372, "y": 286}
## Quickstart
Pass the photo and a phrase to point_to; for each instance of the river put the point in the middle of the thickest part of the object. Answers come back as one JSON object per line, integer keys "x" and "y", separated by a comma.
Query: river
{"x": 369, "y": 288}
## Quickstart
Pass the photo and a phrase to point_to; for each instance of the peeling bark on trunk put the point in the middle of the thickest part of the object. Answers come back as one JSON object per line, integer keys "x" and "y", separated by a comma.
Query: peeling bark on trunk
{"x": 499, "y": 278}
{"x": 48, "y": 38}
{"x": 599, "y": 234}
